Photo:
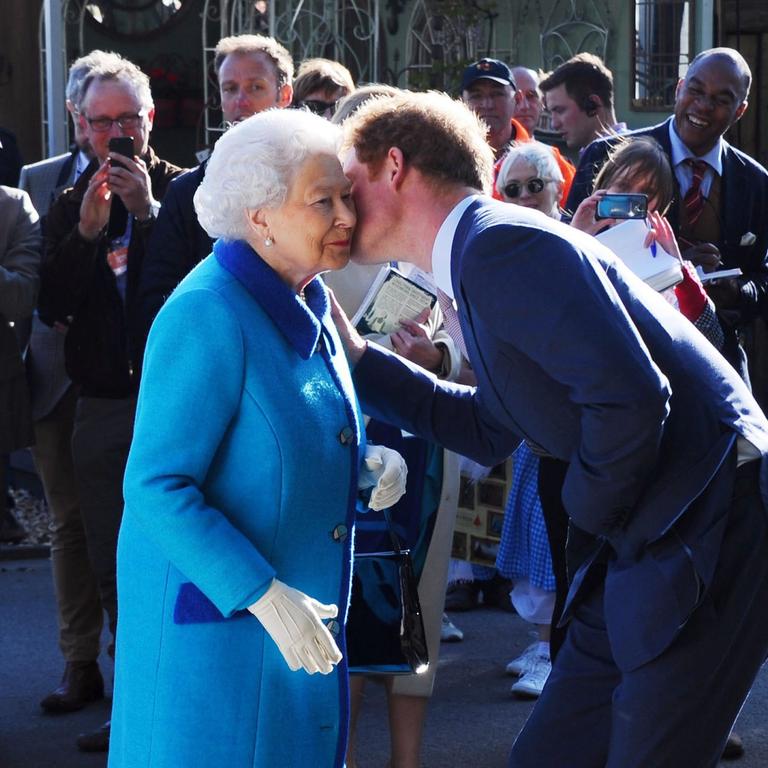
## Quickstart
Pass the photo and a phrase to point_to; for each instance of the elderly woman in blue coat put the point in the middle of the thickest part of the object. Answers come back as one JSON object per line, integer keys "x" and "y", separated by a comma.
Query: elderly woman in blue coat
{"x": 234, "y": 555}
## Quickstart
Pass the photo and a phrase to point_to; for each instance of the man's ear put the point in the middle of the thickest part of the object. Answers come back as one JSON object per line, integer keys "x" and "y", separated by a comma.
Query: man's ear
{"x": 394, "y": 167}
{"x": 742, "y": 108}
{"x": 284, "y": 96}
{"x": 592, "y": 104}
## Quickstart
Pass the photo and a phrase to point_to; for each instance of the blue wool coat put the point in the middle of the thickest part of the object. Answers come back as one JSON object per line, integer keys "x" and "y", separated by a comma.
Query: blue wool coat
{"x": 243, "y": 468}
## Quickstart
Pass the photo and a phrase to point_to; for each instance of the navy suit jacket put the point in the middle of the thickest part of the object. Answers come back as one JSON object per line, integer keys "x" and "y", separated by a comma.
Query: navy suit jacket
{"x": 574, "y": 353}
{"x": 743, "y": 206}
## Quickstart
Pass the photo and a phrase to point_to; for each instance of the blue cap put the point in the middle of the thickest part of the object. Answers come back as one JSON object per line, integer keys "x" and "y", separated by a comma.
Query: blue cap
{"x": 488, "y": 69}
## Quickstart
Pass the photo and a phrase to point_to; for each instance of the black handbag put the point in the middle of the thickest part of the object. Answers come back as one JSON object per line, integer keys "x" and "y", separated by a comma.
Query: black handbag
{"x": 385, "y": 632}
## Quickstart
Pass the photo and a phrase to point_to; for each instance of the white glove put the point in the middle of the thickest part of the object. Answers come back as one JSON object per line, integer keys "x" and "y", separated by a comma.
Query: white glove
{"x": 294, "y": 621}
{"x": 386, "y": 470}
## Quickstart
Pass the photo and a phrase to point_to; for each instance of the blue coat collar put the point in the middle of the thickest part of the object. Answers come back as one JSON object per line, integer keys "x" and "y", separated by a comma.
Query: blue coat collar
{"x": 299, "y": 321}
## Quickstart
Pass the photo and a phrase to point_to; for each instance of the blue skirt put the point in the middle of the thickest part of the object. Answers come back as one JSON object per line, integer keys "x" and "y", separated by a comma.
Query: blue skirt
{"x": 524, "y": 547}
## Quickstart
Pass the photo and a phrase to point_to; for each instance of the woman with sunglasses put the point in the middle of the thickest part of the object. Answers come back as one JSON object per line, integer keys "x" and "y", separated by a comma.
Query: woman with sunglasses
{"x": 530, "y": 176}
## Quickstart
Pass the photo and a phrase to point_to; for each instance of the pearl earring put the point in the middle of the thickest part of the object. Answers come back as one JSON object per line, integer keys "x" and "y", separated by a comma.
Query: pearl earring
{"x": 267, "y": 241}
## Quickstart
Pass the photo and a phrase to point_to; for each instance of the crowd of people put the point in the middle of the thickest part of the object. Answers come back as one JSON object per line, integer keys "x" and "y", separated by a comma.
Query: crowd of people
{"x": 215, "y": 439}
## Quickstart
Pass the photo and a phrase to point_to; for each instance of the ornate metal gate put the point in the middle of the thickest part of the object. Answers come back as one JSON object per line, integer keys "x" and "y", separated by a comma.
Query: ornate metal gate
{"x": 344, "y": 30}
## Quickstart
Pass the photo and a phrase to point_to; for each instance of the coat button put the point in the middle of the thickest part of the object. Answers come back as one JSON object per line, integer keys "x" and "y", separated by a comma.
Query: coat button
{"x": 339, "y": 533}
{"x": 333, "y": 627}
{"x": 346, "y": 435}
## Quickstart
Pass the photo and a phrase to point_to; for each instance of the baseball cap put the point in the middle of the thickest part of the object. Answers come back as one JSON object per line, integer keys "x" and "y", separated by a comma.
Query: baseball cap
{"x": 488, "y": 69}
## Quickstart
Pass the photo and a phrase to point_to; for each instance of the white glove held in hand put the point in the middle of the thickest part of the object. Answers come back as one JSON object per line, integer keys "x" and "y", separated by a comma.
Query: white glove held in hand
{"x": 294, "y": 621}
{"x": 386, "y": 470}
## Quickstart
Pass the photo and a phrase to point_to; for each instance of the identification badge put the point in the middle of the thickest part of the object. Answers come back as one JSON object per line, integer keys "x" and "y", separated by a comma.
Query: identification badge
{"x": 117, "y": 258}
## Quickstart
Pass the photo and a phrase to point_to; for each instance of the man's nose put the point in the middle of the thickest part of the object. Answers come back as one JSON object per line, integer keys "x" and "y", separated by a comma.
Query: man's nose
{"x": 706, "y": 101}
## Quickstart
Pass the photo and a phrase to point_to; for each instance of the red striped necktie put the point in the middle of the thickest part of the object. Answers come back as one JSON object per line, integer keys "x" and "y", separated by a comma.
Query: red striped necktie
{"x": 694, "y": 200}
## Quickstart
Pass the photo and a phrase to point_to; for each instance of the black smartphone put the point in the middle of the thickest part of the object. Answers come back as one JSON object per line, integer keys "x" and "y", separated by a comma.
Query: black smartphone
{"x": 122, "y": 145}
{"x": 620, "y": 206}
{"x": 118, "y": 215}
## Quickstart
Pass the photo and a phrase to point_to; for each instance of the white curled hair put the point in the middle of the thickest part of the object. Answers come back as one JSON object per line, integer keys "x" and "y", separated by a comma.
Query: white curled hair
{"x": 253, "y": 165}
{"x": 539, "y": 155}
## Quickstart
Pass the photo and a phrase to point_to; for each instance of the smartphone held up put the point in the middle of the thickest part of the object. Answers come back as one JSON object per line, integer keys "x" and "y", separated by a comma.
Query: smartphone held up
{"x": 622, "y": 206}
{"x": 118, "y": 215}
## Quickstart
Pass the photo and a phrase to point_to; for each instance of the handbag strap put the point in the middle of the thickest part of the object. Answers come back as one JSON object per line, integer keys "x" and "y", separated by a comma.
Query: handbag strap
{"x": 392, "y": 535}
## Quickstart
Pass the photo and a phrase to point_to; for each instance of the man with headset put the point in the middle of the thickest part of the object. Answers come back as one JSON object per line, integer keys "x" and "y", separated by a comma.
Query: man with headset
{"x": 579, "y": 96}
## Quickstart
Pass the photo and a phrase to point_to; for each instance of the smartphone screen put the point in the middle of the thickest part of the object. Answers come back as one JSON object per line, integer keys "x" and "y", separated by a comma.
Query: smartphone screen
{"x": 621, "y": 206}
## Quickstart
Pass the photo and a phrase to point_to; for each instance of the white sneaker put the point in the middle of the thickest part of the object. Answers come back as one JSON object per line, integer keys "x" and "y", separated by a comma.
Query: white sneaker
{"x": 531, "y": 684}
{"x": 449, "y": 632}
{"x": 519, "y": 666}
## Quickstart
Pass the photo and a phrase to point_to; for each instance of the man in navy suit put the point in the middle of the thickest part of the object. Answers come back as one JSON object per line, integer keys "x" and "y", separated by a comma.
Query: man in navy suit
{"x": 664, "y": 443}
{"x": 731, "y": 231}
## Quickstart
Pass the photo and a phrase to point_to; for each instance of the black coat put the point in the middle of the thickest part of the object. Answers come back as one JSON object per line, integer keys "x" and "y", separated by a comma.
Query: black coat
{"x": 79, "y": 288}
{"x": 177, "y": 244}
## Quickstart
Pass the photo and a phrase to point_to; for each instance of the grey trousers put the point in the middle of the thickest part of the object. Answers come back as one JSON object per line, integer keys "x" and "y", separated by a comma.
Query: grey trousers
{"x": 100, "y": 443}
{"x": 678, "y": 709}
{"x": 78, "y": 605}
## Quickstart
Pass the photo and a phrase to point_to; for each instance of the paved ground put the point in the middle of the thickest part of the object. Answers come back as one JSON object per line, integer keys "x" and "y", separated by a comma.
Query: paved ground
{"x": 472, "y": 720}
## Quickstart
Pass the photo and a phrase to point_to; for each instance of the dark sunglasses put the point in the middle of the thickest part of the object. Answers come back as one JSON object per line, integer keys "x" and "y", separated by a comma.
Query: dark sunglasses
{"x": 318, "y": 107}
{"x": 514, "y": 188}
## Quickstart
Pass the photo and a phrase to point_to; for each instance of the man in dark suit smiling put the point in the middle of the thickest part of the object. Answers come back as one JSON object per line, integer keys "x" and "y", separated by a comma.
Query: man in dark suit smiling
{"x": 719, "y": 214}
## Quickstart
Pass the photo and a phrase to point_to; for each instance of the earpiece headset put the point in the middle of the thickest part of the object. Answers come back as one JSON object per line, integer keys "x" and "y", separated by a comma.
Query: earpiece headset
{"x": 590, "y": 106}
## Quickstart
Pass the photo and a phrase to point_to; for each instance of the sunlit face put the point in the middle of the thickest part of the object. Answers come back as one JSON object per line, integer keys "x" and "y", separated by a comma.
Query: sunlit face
{"x": 311, "y": 231}
{"x": 525, "y": 179}
{"x": 494, "y": 104}
{"x": 248, "y": 84}
{"x": 575, "y": 126}
{"x": 528, "y": 102}
{"x": 708, "y": 102}
{"x": 373, "y": 242}
{"x": 114, "y": 99}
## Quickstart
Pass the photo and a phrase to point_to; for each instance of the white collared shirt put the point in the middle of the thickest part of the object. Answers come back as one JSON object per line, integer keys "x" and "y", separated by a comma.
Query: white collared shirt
{"x": 443, "y": 246}
{"x": 684, "y": 172}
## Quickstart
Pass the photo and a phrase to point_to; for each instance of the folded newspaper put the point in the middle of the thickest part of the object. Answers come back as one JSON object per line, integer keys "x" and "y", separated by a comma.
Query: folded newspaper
{"x": 391, "y": 298}
{"x": 653, "y": 265}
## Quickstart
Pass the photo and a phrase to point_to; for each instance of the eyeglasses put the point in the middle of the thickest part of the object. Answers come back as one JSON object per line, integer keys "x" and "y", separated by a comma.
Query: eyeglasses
{"x": 125, "y": 122}
{"x": 534, "y": 186}
{"x": 319, "y": 107}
